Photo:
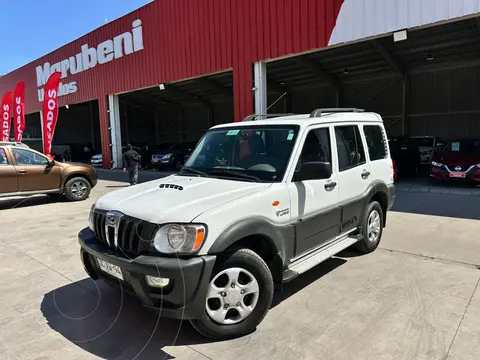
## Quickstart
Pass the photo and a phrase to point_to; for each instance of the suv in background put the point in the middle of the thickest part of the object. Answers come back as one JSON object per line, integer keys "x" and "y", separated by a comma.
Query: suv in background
{"x": 428, "y": 146}
{"x": 171, "y": 155}
{"x": 257, "y": 204}
{"x": 24, "y": 171}
{"x": 458, "y": 160}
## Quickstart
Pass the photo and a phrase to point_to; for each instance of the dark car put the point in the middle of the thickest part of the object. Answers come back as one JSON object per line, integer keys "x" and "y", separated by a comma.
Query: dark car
{"x": 406, "y": 155}
{"x": 170, "y": 155}
{"x": 459, "y": 160}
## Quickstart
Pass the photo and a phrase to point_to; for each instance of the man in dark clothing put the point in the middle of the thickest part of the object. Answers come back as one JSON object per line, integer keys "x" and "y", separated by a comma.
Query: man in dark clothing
{"x": 131, "y": 162}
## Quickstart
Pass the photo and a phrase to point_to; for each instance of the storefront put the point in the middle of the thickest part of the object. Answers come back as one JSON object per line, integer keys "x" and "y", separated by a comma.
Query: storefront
{"x": 171, "y": 69}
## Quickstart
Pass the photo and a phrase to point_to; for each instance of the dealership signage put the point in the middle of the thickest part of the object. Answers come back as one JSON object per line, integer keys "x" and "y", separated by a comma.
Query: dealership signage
{"x": 89, "y": 57}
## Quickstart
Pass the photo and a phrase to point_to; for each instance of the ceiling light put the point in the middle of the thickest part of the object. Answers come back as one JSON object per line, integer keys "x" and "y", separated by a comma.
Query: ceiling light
{"x": 67, "y": 107}
{"x": 161, "y": 86}
{"x": 429, "y": 57}
{"x": 346, "y": 71}
{"x": 400, "y": 36}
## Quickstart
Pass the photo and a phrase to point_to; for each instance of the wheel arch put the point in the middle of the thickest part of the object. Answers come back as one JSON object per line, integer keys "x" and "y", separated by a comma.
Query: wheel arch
{"x": 273, "y": 243}
{"x": 380, "y": 195}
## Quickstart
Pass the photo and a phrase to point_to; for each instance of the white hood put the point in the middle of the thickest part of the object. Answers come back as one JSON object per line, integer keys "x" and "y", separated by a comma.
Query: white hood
{"x": 151, "y": 203}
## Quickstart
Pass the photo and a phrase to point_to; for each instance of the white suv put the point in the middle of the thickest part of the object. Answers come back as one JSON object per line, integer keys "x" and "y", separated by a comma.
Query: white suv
{"x": 257, "y": 204}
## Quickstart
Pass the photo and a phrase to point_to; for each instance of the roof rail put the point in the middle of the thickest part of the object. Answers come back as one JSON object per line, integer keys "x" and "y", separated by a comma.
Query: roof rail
{"x": 254, "y": 117}
{"x": 325, "y": 111}
{"x": 13, "y": 143}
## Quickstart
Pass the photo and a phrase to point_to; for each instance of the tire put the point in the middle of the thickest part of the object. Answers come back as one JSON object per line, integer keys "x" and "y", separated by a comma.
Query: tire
{"x": 243, "y": 261}
{"x": 77, "y": 189}
{"x": 369, "y": 243}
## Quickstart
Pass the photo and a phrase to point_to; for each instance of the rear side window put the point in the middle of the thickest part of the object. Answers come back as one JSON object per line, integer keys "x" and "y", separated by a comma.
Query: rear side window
{"x": 377, "y": 148}
{"x": 349, "y": 147}
{"x": 3, "y": 157}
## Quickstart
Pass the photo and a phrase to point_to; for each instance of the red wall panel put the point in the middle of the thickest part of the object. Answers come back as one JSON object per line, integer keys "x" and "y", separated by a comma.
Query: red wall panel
{"x": 186, "y": 38}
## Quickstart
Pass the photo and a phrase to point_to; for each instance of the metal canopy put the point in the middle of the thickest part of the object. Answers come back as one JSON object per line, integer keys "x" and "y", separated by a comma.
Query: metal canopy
{"x": 427, "y": 49}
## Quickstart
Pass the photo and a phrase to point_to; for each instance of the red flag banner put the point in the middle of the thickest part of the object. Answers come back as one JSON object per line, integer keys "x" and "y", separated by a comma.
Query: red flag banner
{"x": 19, "y": 111}
{"x": 6, "y": 118}
{"x": 50, "y": 111}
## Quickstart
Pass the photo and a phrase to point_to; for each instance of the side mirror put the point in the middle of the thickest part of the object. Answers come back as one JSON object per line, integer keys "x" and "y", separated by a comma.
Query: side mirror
{"x": 51, "y": 162}
{"x": 315, "y": 170}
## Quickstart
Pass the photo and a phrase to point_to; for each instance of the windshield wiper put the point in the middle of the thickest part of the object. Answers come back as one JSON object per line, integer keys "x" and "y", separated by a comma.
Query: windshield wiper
{"x": 192, "y": 171}
{"x": 236, "y": 174}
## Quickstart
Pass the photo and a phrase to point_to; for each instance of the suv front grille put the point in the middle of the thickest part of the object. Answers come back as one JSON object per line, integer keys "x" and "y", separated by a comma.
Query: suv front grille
{"x": 133, "y": 236}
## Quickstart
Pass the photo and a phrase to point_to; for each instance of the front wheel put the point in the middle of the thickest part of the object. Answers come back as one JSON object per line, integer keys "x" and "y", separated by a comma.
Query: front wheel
{"x": 238, "y": 298}
{"x": 77, "y": 189}
{"x": 372, "y": 228}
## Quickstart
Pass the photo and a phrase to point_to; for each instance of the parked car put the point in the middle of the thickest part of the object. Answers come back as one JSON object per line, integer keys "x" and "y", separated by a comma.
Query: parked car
{"x": 428, "y": 146}
{"x": 210, "y": 243}
{"x": 97, "y": 160}
{"x": 24, "y": 171}
{"x": 406, "y": 154}
{"x": 170, "y": 155}
{"x": 459, "y": 160}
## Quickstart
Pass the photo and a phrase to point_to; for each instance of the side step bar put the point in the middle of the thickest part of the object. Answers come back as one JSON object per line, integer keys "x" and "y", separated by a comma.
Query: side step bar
{"x": 306, "y": 263}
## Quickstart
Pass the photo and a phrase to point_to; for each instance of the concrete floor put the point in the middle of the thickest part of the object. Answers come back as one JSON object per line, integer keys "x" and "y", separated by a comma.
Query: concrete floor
{"x": 414, "y": 298}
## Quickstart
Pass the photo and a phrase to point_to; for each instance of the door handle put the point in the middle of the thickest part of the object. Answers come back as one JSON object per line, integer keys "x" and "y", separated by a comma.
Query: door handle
{"x": 22, "y": 171}
{"x": 330, "y": 185}
{"x": 365, "y": 174}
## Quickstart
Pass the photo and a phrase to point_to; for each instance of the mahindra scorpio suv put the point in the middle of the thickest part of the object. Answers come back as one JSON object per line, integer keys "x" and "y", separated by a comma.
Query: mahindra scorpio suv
{"x": 258, "y": 203}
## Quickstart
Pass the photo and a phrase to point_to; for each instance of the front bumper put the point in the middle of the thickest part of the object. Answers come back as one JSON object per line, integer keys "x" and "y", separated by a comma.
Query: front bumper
{"x": 472, "y": 175}
{"x": 183, "y": 298}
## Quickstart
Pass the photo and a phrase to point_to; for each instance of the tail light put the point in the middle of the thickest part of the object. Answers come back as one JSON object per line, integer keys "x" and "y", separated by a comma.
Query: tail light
{"x": 394, "y": 166}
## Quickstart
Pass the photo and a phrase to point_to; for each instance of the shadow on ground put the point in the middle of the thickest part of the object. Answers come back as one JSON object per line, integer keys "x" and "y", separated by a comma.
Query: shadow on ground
{"x": 111, "y": 325}
{"x": 26, "y": 201}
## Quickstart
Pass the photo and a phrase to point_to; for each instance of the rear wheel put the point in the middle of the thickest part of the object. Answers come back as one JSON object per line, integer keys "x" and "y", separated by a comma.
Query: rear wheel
{"x": 372, "y": 228}
{"x": 238, "y": 298}
{"x": 77, "y": 189}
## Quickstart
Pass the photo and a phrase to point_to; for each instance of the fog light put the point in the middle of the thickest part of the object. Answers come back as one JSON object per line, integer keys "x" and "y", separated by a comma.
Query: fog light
{"x": 157, "y": 282}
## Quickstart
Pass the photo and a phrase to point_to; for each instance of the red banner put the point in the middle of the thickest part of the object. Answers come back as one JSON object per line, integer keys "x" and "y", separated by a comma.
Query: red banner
{"x": 50, "y": 111}
{"x": 6, "y": 118}
{"x": 19, "y": 111}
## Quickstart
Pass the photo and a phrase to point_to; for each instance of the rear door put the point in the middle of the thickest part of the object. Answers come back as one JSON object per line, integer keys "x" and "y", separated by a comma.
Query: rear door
{"x": 354, "y": 174}
{"x": 314, "y": 203}
{"x": 8, "y": 174}
{"x": 34, "y": 171}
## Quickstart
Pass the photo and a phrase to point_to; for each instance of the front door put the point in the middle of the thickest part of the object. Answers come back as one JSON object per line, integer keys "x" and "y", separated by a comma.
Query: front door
{"x": 34, "y": 171}
{"x": 8, "y": 174}
{"x": 354, "y": 174}
{"x": 314, "y": 203}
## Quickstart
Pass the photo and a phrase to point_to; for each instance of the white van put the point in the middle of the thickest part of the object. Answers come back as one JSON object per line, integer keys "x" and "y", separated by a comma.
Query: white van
{"x": 258, "y": 203}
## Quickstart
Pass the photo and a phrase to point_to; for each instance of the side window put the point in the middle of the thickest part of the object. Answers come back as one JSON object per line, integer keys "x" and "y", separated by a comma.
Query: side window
{"x": 316, "y": 147}
{"x": 27, "y": 157}
{"x": 375, "y": 142}
{"x": 3, "y": 157}
{"x": 349, "y": 146}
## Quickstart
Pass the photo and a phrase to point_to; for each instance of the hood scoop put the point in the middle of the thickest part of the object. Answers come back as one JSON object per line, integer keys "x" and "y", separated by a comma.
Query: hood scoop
{"x": 171, "y": 186}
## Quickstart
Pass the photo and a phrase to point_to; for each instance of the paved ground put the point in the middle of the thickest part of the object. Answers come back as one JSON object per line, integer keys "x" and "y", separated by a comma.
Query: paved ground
{"x": 415, "y": 298}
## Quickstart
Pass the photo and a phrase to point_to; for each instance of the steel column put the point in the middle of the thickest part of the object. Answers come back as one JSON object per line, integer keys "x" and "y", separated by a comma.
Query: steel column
{"x": 115, "y": 131}
{"x": 260, "y": 75}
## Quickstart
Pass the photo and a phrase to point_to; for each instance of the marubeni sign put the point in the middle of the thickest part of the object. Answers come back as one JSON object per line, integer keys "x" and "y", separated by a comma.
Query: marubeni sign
{"x": 89, "y": 57}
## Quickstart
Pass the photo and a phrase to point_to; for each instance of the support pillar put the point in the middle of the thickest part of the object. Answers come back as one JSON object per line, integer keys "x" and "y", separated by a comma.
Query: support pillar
{"x": 115, "y": 131}
{"x": 156, "y": 125}
{"x": 405, "y": 92}
{"x": 104, "y": 131}
{"x": 260, "y": 75}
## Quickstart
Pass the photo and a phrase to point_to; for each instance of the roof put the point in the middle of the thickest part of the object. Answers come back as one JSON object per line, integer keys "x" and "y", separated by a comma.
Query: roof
{"x": 304, "y": 120}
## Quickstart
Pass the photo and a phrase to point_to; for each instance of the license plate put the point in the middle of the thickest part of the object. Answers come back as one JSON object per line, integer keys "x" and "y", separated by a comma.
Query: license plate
{"x": 458, "y": 174}
{"x": 111, "y": 269}
{"x": 154, "y": 160}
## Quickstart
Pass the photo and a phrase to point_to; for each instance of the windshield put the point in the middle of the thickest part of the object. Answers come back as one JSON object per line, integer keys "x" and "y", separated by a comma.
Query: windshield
{"x": 426, "y": 142}
{"x": 463, "y": 147}
{"x": 254, "y": 153}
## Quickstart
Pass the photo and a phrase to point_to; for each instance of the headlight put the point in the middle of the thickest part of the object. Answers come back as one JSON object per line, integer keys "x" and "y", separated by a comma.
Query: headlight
{"x": 179, "y": 239}
{"x": 437, "y": 164}
{"x": 90, "y": 217}
{"x": 167, "y": 156}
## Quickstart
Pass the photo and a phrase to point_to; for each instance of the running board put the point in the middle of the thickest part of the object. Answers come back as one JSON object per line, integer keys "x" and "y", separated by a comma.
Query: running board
{"x": 302, "y": 265}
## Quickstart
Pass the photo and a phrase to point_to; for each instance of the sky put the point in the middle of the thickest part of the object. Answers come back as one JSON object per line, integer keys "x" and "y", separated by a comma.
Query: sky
{"x": 33, "y": 28}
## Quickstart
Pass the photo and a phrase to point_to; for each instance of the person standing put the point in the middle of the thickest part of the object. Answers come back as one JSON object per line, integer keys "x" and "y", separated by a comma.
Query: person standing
{"x": 131, "y": 162}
